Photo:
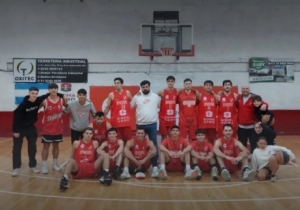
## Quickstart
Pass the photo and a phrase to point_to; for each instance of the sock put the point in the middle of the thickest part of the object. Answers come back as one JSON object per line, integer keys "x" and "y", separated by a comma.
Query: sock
{"x": 66, "y": 176}
{"x": 55, "y": 161}
{"x": 194, "y": 165}
{"x": 125, "y": 169}
{"x": 273, "y": 175}
{"x": 223, "y": 168}
{"x": 154, "y": 161}
{"x": 106, "y": 170}
{"x": 162, "y": 166}
{"x": 246, "y": 168}
{"x": 213, "y": 166}
{"x": 187, "y": 167}
{"x": 44, "y": 163}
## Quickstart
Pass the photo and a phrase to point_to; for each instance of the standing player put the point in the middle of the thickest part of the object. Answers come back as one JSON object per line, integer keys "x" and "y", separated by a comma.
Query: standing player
{"x": 118, "y": 102}
{"x": 207, "y": 111}
{"x": 227, "y": 111}
{"x": 228, "y": 157}
{"x": 138, "y": 153}
{"x": 167, "y": 113}
{"x": 187, "y": 100}
{"x": 114, "y": 148}
{"x": 83, "y": 163}
{"x": 52, "y": 127}
{"x": 100, "y": 127}
{"x": 203, "y": 157}
{"x": 175, "y": 154}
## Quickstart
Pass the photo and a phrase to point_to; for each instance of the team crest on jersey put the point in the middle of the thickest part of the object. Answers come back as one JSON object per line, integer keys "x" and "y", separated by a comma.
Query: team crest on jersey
{"x": 167, "y": 96}
{"x": 204, "y": 98}
{"x": 223, "y": 99}
{"x": 49, "y": 107}
{"x": 96, "y": 131}
{"x": 174, "y": 97}
{"x": 59, "y": 107}
{"x": 212, "y": 100}
{"x": 109, "y": 146}
{"x": 136, "y": 146}
{"x": 225, "y": 145}
{"x": 82, "y": 146}
{"x": 124, "y": 97}
{"x": 205, "y": 148}
{"x": 231, "y": 100}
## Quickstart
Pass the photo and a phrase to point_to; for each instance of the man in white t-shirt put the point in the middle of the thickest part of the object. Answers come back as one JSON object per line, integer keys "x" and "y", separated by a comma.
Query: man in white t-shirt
{"x": 147, "y": 105}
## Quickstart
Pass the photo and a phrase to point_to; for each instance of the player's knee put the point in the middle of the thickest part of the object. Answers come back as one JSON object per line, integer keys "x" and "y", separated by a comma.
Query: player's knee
{"x": 279, "y": 157}
{"x": 272, "y": 159}
{"x": 55, "y": 145}
{"x": 261, "y": 177}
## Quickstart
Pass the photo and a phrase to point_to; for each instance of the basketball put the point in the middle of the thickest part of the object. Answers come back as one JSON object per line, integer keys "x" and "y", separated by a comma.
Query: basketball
{"x": 265, "y": 119}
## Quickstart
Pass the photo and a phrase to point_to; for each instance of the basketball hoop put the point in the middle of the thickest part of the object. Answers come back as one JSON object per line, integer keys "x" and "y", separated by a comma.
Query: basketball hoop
{"x": 167, "y": 54}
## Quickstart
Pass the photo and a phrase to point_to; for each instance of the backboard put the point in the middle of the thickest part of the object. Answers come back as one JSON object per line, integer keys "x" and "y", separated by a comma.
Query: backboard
{"x": 155, "y": 36}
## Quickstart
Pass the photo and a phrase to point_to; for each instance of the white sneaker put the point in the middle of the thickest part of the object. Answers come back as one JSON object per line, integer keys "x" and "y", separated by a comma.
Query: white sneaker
{"x": 56, "y": 167}
{"x": 35, "y": 170}
{"x": 44, "y": 169}
{"x": 191, "y": 174}
{"x": 155, "y": 172}
{"x": 273, "y": 178}
{"x": 226, "y": 175}
{"x": 162, "y": 174}
{"x": 15, "y": 172}
{"x": 249, "y": 175}
{"x": 125, "y": 175}
{"x": 140, "y": 175}
{"x": 198, "y": 171}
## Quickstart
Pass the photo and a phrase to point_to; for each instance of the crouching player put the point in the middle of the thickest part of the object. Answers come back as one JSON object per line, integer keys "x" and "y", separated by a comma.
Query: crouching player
{"x": 138, "y": 153}
{"x": 83, "y": 163}
{"x": 114, "y": 148}
{"x": 175, "y": 154}
{"x": 202, "y": 156}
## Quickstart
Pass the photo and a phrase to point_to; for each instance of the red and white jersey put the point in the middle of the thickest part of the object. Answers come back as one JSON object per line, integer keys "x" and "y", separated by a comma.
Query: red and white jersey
{"x": 228, "y": 147}
{"x": 85, "y": 153}
{"x": 167, "y": 113}
{"x": 175, "y": 146}
{"x": 52, "y": 120}
{"x": 120, "y": 110}
{"x": 139, "y": 149}
{"x": 227, "y": 110}
{"x": 187, "y": 108}
{"x": 100, "y": 132}
{"x": 207, "y": 111}
{"x": 202, "y": 149}
{"x": 111, "y": 147}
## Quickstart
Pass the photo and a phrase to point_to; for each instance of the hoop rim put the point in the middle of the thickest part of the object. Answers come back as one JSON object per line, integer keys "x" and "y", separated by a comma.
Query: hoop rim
{"x": 158, "y": 54}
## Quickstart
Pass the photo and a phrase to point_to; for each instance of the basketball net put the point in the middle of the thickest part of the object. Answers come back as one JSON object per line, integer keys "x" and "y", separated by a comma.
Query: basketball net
{"x": 167, "y": 54}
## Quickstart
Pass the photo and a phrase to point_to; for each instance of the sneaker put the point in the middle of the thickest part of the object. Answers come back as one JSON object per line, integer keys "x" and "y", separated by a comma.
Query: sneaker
{"x": 273, "y": 178}
{"x": 125, "y": 175}
{"x": 226, "y": 175}
{"x": 116, "y": 172}
{"x": 214, "y": 174}
{"x": 107, "y": 179}
{"x": 63, "y": 184}
{"x": 155, "y": 172}
{"x": 56, "y": 167}
{"x": 198, "y": 171}
{"x": 101, "y": 179}
{"x": 249, "y": 175}
{"x": 191, "y": 174}
{"x": 15, "y": 172}
{"x": 45, "y": 170}
{"x": 35, "y": 170}
{"x": 140, "y": 175}
{"x": 162, "y": 174}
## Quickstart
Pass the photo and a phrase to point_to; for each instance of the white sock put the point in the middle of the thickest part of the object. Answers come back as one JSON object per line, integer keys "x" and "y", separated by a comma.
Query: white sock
{"x": 188, "y": 167}
{"x": 66, "y": 176}
{"x": 162, "y": 166}
{"x": 214, "y": 168}
{"x": 106, "y": 170}
{"x": 196, "y": 167}
{"x": 155, "y": 167}
{"x": 55, "y": 161}
{"x": 44, "y": 163}
{"x": 126, "y": 170}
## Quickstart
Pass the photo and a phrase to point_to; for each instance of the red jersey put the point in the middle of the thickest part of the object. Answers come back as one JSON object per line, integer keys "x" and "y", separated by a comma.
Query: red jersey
{"x": 207, "y": 111}
{"x": 175, "y": 146}
{"x": 111, "y": 147}
{"x": 246, "y": 113}
{"x": 85, "y": 153}
{"x": 227, "y": 110}
{"x": 120, "y": 110}
{"x": 167, "y": 113}
{"x": 139, "y": 149}
{"x": 202, "y": 149}
{"x": 52, "y": 120}
{"x": 100, "y": 132}
{"x": 187, "y": 109}
{"x": 228, "y": 147}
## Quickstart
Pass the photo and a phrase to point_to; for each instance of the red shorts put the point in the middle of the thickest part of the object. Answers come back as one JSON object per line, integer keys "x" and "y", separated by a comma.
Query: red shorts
{"x": 164, "y": 129}
{"x": 175, "y": 165}
{"x": 124, "y": 133}
{"x": 85, "y": 170}
{"x": 188, "y": 130}
{"x": 144, "y": 167}
{"x": 204, "y": 166}
{"x": 231, "y": 167}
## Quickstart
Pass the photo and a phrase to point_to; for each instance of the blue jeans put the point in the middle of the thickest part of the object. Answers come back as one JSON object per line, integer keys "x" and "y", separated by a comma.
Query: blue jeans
{"x": 151, "y": 130}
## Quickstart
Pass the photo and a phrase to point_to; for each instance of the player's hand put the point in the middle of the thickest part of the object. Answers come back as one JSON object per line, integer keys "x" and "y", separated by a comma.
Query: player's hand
{"x": 263, "y": 107}
{"x": 180, "y": 154}
{"x": 112, "y": 157}
{"x": 206, "y": 158}
{"x": 220, "y": 92}
{"x": 138, "y": 93}
{"x": 229, "y": 158}
{"x": 234, "y": 161}
{"x": 16, "y": 135}
{"x": 171, "y": 154}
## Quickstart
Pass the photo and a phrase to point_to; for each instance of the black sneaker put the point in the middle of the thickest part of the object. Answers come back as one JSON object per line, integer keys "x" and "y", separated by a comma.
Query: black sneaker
{"x": 107, "y": 179}
{"x": 101, "y": 179}
{"x": 116, "y": 172}
{"x": 63, "y": 184}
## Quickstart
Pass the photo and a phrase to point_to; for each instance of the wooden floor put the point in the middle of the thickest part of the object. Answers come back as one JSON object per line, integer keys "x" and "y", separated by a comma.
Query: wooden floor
{"x": 39, "y": 191}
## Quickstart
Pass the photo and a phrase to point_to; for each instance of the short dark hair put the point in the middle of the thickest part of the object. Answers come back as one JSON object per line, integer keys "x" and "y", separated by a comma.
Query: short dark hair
{"x": 200, "y": 131}
{"x": 170, "y": 78}
{"x": 53, "y": 86}
{"x": 175, "y": 127}
{"x": 209, "y": 82}
{"x": 119, "y": 79}
{"x": 112, "y": 129}
{"x": 256, "y": 98}
{"x": 145, "y": 82}
{"x": 187, "y": 80}
{"x": 99, "y": 114}
{"x": 82, "y": 91}
{"x": 88, "y": 129}
{"x": 263, "y": 138}
{"x": 33, "y": 89}
{"x": 140, "y": 128}
{"x": 227, "y": 81}
{"x": 227, "y": 125}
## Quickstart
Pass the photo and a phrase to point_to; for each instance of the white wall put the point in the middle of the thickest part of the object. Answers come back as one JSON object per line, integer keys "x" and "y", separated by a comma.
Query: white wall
{"x": 108, "y": 31}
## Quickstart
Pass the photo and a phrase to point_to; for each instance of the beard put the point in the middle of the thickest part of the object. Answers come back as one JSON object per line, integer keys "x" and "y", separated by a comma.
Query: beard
{"x": 146, "y": 92}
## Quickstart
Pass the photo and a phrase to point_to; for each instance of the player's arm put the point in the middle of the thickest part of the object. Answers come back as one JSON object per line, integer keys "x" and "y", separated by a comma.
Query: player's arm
{"x": 152, "y": 151}
{"x": 67, "y": 109}
{"x": 100, "y": 149}
{"x": 120, "y": 149}
{"x": 160, "y": 93}
{"x": 194, "y": 154}
{"x": 163, "y": 148}
{"x": 188, "y": 148}
{"x": 108, "y": 104}
{"x": 92, "y": 110}
{"x": 43, "y": 104}
{"x": 133, "y": 102}
{"x": 217, "y": 150}
{"x": 244, "y": 150}
{"x": 129, "y": 95}
{"x": 108, "y": 125}
{"x": 96, "y": 144}
{"x": 198, "y": 97}
{"x": 90, "y": 125}
{"x": 74, "y": 146}
{"x": 127, "y": 151}
{"x": 17, "y": 119}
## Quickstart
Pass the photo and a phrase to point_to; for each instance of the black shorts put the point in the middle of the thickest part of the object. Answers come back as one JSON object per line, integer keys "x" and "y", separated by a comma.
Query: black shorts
{"x": 52, "y": 138}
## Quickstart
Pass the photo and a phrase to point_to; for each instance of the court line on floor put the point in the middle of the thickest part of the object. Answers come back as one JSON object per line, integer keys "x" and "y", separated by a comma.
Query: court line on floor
{"x": 1, "y": 141}
{"x": 151, "y": 200}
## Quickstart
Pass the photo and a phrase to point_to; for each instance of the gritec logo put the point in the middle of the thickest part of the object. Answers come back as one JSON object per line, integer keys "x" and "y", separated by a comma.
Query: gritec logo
{"x": 66, "y": 87}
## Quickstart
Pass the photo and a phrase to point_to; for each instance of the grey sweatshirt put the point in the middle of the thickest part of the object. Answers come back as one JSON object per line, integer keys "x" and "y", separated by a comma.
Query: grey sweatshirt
{"x": 80, "y": 115}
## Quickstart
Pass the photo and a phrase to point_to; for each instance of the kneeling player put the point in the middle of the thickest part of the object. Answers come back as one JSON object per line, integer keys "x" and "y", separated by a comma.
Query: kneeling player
{"x": 202, "y": 156}
{"x": 138, "y": 153}
{"x": 229, "y": 159}
{"x": 174, "y": 154}
{"x": 114, "y": 148}
{"x": 82, "y": 163}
